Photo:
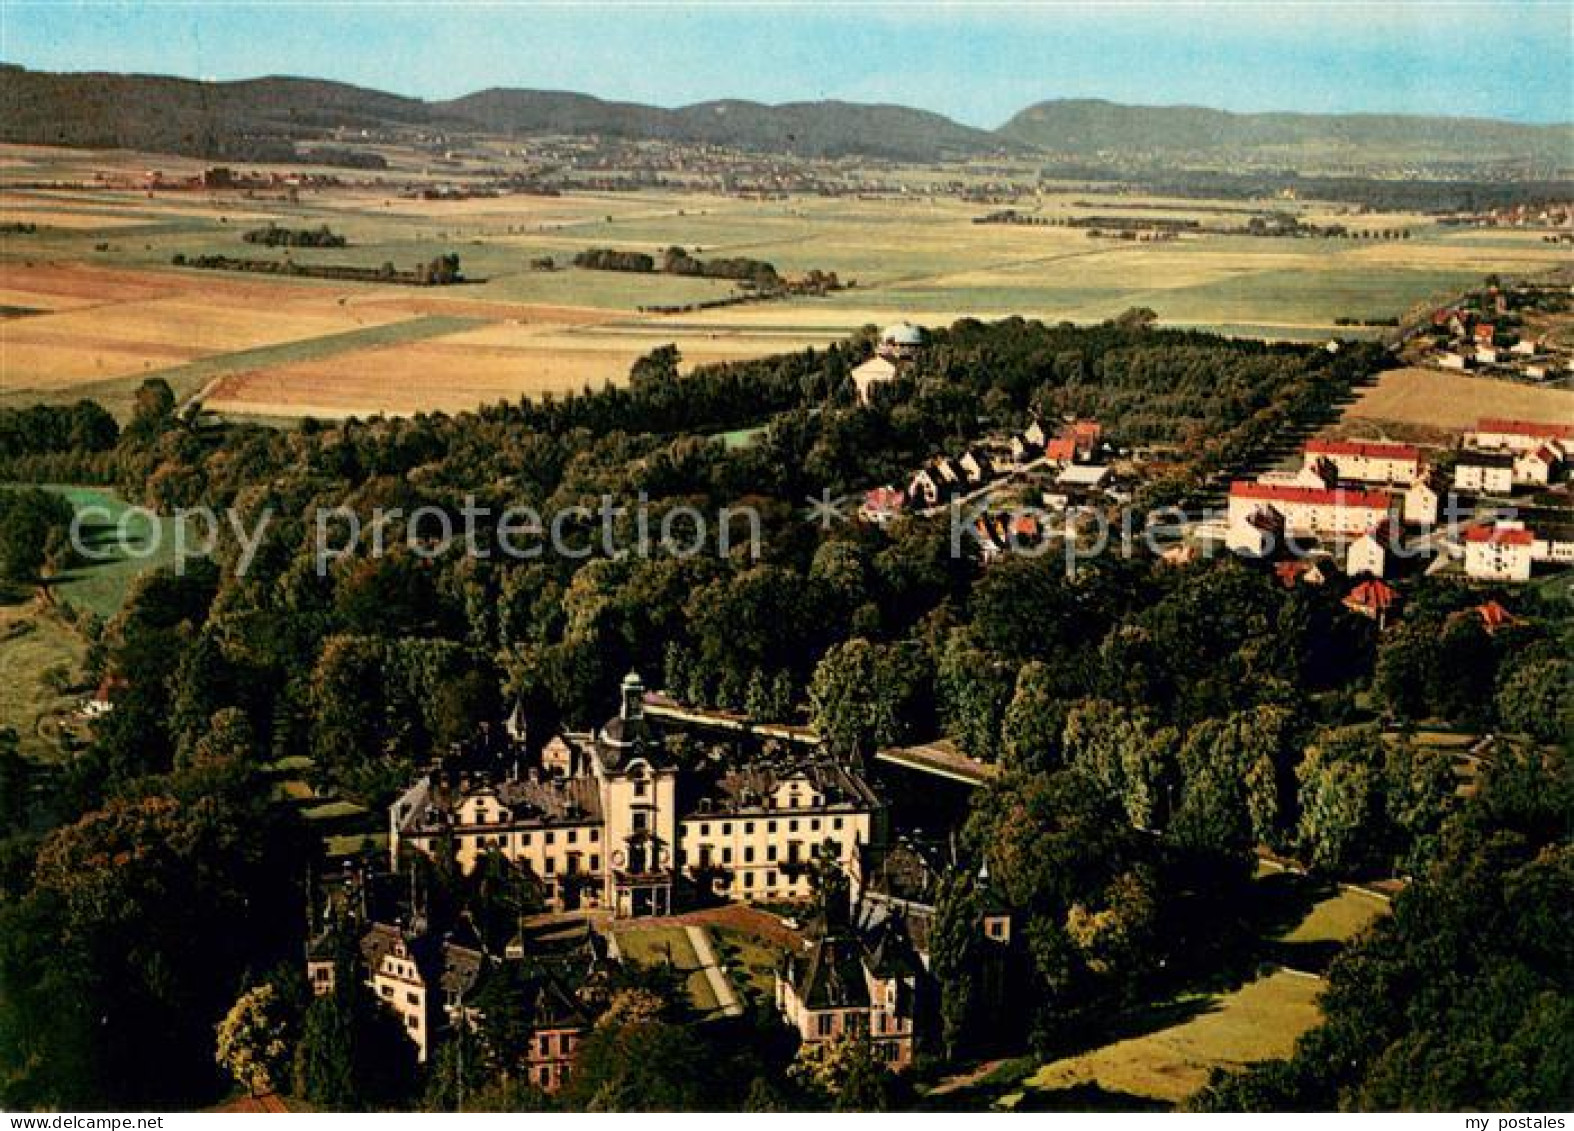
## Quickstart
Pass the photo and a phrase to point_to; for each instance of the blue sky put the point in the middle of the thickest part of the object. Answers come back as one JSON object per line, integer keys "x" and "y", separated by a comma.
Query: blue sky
{"x": 976, "y": 62}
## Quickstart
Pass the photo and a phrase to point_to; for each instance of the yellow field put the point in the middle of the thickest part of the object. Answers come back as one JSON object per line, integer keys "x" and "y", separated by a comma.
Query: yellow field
{"x": 500, "y": 361}
{"x": 93, "y": 302}
{"x": 111, "y": 323}
{"x": 1429, "y": 399}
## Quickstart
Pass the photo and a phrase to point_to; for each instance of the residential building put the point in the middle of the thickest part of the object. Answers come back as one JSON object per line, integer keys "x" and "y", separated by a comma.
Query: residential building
{"x": 1499, "y": 552}
{"x": 1311, "y": 510}
{"x": 1420, "y": 501}
{"x": 1536, "y": 468}
{"x": 882, "y": 504}
{"x": 1487, "y": 473}
{"x": 1374, "y": 599}
{"x": 1517, "y": 435}
{"x": 1372, "y": 553}
{"x": 1362, "y": 461}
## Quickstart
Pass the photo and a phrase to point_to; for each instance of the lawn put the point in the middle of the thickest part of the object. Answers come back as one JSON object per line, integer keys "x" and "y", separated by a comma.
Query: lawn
{"x": 127, "y": 544}
{"x": 1162, "y": 1054}
{"x": 751, "y": 962}
{"x": 1259, "y": 1021}
{"x": 33, "y": 643}
{"x": 663, "y": 946}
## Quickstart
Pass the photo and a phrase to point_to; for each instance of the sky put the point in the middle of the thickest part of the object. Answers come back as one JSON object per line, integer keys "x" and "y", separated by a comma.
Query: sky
{"x": 976, "y": 62}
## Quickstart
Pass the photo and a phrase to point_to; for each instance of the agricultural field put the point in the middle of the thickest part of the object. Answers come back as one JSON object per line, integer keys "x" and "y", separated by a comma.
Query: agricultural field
{"x": 1422, "y": 404}
{"x": 91, "y": 304}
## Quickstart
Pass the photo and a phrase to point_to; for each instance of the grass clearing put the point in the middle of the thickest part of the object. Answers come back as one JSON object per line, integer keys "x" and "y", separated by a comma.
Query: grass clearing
{"x": 34, "y": 646}
{"x": 1260, "y": 1021}
{"x": 750, "y": 960}
{"x": 128, "y": 544}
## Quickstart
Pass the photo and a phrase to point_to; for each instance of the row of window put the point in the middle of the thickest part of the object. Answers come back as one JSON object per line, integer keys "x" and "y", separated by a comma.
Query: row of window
{"x": 727, "y": 828}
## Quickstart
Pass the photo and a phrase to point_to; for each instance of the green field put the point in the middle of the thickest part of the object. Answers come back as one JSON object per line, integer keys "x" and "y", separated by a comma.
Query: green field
{"x": 1259, "y": 1021}
{"x": 751, "y": 963}
{"x": 33, "y": 644}
{"x": 100, "y": 585}
{"x": 1155, "y": 1057}
{"x": 37, "y": 643}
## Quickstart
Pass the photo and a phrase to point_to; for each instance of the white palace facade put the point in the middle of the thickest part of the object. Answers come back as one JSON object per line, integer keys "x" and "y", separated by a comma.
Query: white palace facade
{"x": 608, "y": 820}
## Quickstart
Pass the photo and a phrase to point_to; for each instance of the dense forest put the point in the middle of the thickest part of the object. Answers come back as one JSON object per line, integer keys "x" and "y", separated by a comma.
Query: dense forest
{"x": 1153, "y": 724}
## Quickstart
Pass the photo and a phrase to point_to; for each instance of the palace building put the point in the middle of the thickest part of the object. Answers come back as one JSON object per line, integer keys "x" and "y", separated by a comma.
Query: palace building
{"x": 609, "y": 820}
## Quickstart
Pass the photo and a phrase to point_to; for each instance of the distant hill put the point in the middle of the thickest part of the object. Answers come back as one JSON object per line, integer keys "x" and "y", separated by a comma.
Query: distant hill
{"x": 171, "y": 115}
{"x": 1089, "y": 127}
{"x": 265, "y": 119}
{"x": 813, "y": 129}
{"x": 262, "y": 118}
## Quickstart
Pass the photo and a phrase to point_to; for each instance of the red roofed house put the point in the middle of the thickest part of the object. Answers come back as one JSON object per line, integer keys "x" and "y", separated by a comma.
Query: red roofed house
{"x": 1062, "y": 449}
{"x": 1517, "y": 435}
{"x": 1299, "y": 571}
{"x": 1485, "y": 333}
{"x": 1375, "y": 599}
{"x": 1535, "y": 468}
{"x": 1494, "y": 616}
{"x": 1366, "y": 462}
{"x": 1311, "y": 510}
{"x": 1086, "y": 433}
{"x": 882, "y": 505}
{"x": 1499, "y": 553}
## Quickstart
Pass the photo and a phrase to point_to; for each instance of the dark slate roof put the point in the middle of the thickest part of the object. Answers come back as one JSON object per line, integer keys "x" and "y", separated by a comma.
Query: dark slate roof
{"x": 831, "y": 976}
{"x": 553, "y": 1007}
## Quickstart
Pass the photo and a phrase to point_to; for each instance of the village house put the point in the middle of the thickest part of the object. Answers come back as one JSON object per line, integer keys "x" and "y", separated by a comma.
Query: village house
{"x": 1420, "y": 502}
{"x": 1373, "y": 599}
{"x": 881, "y": 505}
{"x": 1372, "y": 552}
{"x": 1360, "y": 461}
{"x": 606, "y": 820}
{"x": 1536, "y": 468}
{"x": 1487, "y": 473}
{"x": 977, "y": 466}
